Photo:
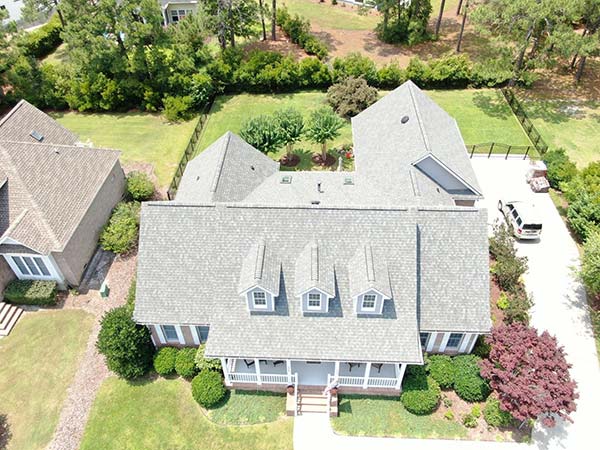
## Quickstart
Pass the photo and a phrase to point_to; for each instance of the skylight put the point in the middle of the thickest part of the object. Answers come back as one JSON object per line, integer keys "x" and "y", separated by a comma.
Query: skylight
{"x": 37, "y": 136}
{"x": 286, "y": 179}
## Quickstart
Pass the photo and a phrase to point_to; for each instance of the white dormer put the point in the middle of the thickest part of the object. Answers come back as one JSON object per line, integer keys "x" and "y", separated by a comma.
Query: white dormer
{"x": 369, "y": 281}
{"x": 315, "y": 284}
{"x": 259, "y": 278}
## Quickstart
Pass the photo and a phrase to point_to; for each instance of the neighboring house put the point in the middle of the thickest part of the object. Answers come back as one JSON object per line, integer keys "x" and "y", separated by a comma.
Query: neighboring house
{"x": 174, "y": 11}
{"x": 317, "y": 277}
{"x": 55, "y": 196}
{"x": 13, "y": 7}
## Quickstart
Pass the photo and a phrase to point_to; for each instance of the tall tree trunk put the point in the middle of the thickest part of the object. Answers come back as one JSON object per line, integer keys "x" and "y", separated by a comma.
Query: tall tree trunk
{"x": 386, "y": 19}
{"x": 439, "y": 21}
{"x": 262, "y": 19}
{"x": 459, "y": 7}
{"x": 324, "y": 151}
{"x": 221, "y": 25}
{"x": 274, "y": 20}
{"x": 521, "y": 58}
{"x": 60, "y": 14}
{"x": 462, "y": 28}
{"x": 288, "y": 148}
{"x": 576, "y": 54}
{"x": 231, "y": 27}
{"x": 580, "y": 69}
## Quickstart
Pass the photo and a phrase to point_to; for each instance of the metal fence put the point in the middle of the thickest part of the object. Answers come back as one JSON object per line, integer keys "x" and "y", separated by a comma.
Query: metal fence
{"x": 498, "y": 149}
{"x": 189, "y": 152}
{"x": 534, "y": 136}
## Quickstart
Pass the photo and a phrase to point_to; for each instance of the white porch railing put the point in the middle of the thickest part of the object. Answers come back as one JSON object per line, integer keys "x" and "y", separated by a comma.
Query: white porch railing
{"x": 266, "y": 378}
{"x": 372, "y": 382}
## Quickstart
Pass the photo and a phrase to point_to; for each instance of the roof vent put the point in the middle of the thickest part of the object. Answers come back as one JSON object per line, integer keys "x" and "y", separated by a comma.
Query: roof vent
{"x": 251, "y": 167}
{"x": 348, "y": 181}
{"x": 37, "y": 136}
{"x": 315, "y": 202}
{"x": 319, "y": 190}
{"x": 404, "y": 119}
{"x": 56, "y": 151}
{"x": 286, "y": 179}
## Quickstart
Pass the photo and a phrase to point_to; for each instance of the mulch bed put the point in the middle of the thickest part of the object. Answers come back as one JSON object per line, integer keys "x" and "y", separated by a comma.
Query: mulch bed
{"x": 293, "y": 161}
{"x": 318, "y": 159}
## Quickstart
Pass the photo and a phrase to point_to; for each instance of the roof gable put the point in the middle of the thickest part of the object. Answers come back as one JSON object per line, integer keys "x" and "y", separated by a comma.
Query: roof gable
{"x": 314, "y": 271}
{"x": 444, "y": 176}
{"x": 367, "y": 271}
{"x": 260, "y": 268}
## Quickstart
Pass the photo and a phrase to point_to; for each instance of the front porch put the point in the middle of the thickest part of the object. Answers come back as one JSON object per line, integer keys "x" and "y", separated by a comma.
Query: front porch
{"x": 313, "y": 373}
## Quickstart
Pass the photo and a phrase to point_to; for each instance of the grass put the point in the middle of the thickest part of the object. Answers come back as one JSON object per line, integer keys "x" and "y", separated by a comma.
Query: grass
{"x": 482, "y": 115}
{"x": 249, "y": 407}
{"x": 38, "y": 362}
{"x": 141, "y": 137}
{"x": 574, "y": 126}
{"x": 385, "y": 416}
{"x": 162, "y": 414}
{"x": 327, "y": 16}
{"x": 58, "y": 56}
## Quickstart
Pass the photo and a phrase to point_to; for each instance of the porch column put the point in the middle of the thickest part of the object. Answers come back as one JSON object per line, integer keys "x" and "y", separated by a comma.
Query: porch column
{"x": 400, "y": 375}
{"x": 225, "y": 372}
{"x": 336, "y": 371}
{"x": 367, "y": 373}
{"x": 257, "y": 368}
{"x": 444, "y": 342}
{"x": 288, "y": 366}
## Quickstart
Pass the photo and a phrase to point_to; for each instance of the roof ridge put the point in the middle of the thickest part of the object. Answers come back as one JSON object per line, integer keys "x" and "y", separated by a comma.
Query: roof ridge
{"x": 260, "y": 261}
{"x": 48, "y": 144}
{"x": 314, "y": 262}
{"x": 12, "y": 111}
{"x": 418, "y": 114}
{"x": 217, "y": 174}
{"x": 369, "y": 262}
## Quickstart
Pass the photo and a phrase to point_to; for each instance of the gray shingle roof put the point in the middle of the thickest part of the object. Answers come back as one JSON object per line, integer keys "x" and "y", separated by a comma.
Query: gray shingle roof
{"x": 228, "y": 170}
{"x": 260, "y": 268}
{"x": 314, "y": 269}
{"x": 24, "y": 119}
{"x": 368, "y": 271}
{"x": 38, "y": 207}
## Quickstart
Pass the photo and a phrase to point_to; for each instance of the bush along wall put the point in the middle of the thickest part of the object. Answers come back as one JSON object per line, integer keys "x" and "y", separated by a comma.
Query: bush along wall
{"x": 31, "y": 292}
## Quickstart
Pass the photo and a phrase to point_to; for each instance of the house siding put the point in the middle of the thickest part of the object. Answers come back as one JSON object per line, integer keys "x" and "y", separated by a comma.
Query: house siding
{"x": 439, "y": 338}
{"x": 324, "y": 302}
{"x": 270, "y": 301}
{"x": 186, "y": 332}
{"x": 378, "y": 303}
{"x": 73, "y": 260}
{"x": 6, "y": 275}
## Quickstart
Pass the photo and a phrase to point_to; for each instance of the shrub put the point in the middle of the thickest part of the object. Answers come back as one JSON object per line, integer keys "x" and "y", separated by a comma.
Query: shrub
{"x": 262, "y": 133}
{"x": 590, "y": 263}
{"x": 502, "y": 302}
{"x": 203, "y": 363}
{"x": 496, "y": 416}
{"x": 121, "y": 232}
{"x": 44, "y": 40}
{"x": 298, "y": 30}
{"x": 442, "y": 369}
{"x": 449, "y": 415}
{"x": 476, "y": 411}
{"x": 390, "y": 76}
{"x": 466, "y": 364}
{"x": 471, "y": 387}
{"x": 502, "y": 242}
{"x": 420, "y": 393}
{"x": 446, "y": 401}
{"x": 508, "y": 271}
{"x": 31, "y": 292}
{"x": 177, "y": 109}
{"x": 519, "y": 304}
{"x": 481, "y": 348}
{"x": 164, "y": 360}
{"x": 139, "y": 186}
{"x": 202, "y": 90}
{"x": 583, "y": 195}
{"x": 469, "y": 421}
{"x": 351, "y": 96}
{"x": 207, "y": 388}
{"x": 560, "y": 168}
{"x": 126, "y": 345}
{"x": 355, "y": 65}
{"x": 130, "y": 301}
{"x": 185, "y": 362}
{"x": 452, "y": 71}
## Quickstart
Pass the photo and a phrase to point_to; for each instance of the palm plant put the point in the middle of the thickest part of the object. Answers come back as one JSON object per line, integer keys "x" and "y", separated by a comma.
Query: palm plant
{"x": 291, "y": 126}
{"x": 324, "y": 125}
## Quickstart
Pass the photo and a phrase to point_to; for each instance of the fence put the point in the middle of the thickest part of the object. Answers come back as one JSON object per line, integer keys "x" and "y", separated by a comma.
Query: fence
{"x": 496, "y": 148}
{"x": 534, "y": 136}
{"x": 190, "y": 149}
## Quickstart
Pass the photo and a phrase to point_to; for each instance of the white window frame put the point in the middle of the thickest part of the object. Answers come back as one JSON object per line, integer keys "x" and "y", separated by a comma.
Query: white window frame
{"x": 368, "y": 308}
{"x": 176, "y": 15}
{"x": 318, "y": 297}
{"x": 426, "y": 340}
{"x": 259, "y": 306}
{"x": 11, "y": 259}
{"x": 457, "y": 346}
{"x": 164, "y": 332}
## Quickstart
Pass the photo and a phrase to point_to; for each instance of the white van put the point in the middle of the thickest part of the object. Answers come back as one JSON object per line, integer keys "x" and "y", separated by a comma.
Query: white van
{"x": 522, "y": 217}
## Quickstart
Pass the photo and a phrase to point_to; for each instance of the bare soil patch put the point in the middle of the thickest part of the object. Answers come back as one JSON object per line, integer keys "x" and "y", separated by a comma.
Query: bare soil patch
{"x": 282, "y": 45}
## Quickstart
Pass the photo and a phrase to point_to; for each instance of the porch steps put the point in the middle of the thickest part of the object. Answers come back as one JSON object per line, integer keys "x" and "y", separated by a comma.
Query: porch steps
{"x": 9, "y": 314}
{"x": 315, "y": 403}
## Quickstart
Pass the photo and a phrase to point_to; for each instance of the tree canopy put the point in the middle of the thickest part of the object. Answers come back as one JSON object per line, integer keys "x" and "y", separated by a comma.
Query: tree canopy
{"x": 324, "y": 125}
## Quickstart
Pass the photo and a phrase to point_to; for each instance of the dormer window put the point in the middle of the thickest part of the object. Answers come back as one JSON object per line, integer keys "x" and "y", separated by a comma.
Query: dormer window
{"x": 368, "y": 302}
{"x": 260, "y": 299}
{"x": 314, "y": 301}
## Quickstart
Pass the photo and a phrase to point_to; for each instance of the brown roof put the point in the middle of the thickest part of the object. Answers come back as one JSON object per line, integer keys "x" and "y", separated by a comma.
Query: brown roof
{"x": 49, "y": 188}
{"x": 25, "y": 119}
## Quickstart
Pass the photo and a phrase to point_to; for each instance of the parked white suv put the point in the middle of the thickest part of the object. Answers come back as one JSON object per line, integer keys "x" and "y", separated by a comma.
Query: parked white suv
{"x": 523, "y": 219}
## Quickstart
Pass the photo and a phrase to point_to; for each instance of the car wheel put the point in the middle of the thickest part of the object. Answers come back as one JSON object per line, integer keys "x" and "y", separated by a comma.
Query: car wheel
{"x": 499, "y": 205}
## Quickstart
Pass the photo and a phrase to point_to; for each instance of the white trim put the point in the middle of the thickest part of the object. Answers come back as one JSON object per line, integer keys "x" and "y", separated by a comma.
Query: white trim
{"x": 314, "y": 308}
{"x": 195, "y": 336}
{"x": 48, "y": 262}
{"x": 459, "y": 342}
{"x": 167, "y": 341}
{"x": 336, "y": 370}
{"x": 431, "y": 341}
{"x": 254, "y": 305}
{"x": 444, "y": 342}
{"x": 159, "y": 332}
{"x": 257, "y": 368}
{"x": 257, "y": 286}
{"x": 180, "y": 336}
{"x": 367, "y": 374}
{"x": 464, "y": 342}
{"x": 448, "y": 169}
{"x": 473, "y": 343}
{"x": 326, "y": 294}
{"x": 288, "y": 369}
{"x": 225, "y": 372}
{"x": 151, "y": 337}
{"x": 385, "y": 297}
{"x": 363, "y": 308}
{"x": 401, "y": 376}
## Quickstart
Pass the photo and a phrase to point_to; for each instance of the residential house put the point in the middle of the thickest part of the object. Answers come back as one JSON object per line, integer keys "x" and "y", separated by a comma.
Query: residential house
{"x": 323, "y": 277}
{"x": 55, "y": 197}
{"x": 174, "y": 11}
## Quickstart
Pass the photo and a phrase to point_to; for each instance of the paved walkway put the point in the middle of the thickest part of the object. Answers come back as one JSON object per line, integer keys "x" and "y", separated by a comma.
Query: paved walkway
{"x": 560, "y": 307}
{"x": 92, "y": 370}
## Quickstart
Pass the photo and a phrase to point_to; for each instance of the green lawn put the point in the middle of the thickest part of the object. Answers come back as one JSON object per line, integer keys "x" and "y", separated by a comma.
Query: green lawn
{"x": 162, "y": 414}
{"x": 575, "y": 126}
{"x": 141, "y": 137}
{"x": 249, "y": 407}
{"x": 325, "y": 15}
{"x": 385, "y": 416}
{"x": 58, "y": 56}
{"x": 482, "y": 115}
{"x": 38, "y": 361}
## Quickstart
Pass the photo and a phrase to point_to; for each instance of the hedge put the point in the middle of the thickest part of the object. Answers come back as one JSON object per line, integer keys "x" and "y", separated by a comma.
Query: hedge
{"x": 420, "y": 393}
{"x": 164, "y": 361}
{"x": 298, "y": 30}
{"x": 139, "y": 186}
{"x": 185, "y": 364}
{"x": 44, "y": 40}
{"x": 31, "y": 292}
{"x": 121, "y": 233}
{"x": 442, "y": 369}
{"x": 471, "y": 387}
{"x": 207, "y": 388}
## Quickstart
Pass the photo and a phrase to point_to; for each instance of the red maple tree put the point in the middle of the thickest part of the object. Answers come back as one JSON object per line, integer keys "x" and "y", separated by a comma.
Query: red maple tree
{"x": 530, "y": 374}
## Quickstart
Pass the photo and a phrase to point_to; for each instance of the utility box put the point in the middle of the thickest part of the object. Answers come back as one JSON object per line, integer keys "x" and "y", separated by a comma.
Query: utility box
{"x": 104, "y": 290}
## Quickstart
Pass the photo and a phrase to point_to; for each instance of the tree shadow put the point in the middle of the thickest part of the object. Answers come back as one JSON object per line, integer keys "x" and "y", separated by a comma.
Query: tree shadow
{"x": 492, "y": 104}
{"x": 5, "y": 433}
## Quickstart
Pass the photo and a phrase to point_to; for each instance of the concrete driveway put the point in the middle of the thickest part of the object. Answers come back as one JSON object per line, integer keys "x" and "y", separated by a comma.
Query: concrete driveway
{"x": 560, "y": 307}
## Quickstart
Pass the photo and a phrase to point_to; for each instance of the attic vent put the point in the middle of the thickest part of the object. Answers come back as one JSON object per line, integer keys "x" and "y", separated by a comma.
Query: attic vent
{"x": 37, "y": 136}
{"x": 404, "y": 119}
{"x": 348, "y": 181}
{"x": 251, "y": 167}
{"x": 56, "y": 151}
{"x": 315, "y": 202}
{"x": 287, "y": 179}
